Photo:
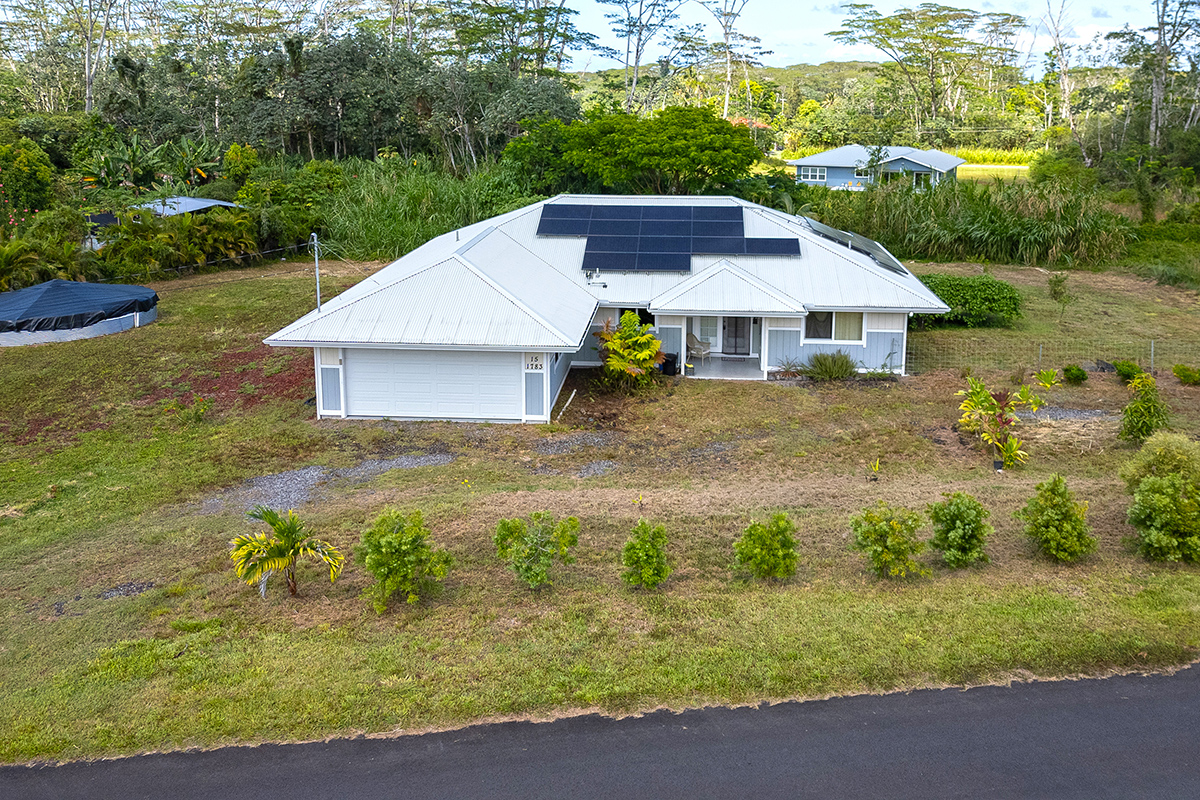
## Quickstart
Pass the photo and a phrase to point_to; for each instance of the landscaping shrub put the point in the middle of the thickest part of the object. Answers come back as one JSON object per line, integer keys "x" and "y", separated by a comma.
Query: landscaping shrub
{"x": 396, "y": 551}
{"x": 1166, "y": 514}
{"x": 976, "y": 301}
{"x": 222, "y": 189}
{"x": 888, "y": 538}
{"x": 1074, "y": 374}
{"x": 531, "y": 547}
{"x": 1145, "y": 413}
{"x": 993, "y": 415}
{"x": 1056, "y": 523}
{"x": 1163, "y": 454}
{"x": 26, "y": 183}
{"x": 645, "y": 556}
{"x": 1188, "y": 376}
{"x": 1047, "y": 378}
{"x": 960, "y": 529}
{"x": 1127, "y": 370}
{"x": 837, "y": 366}
{"x": 768, "y": 551}
{"x": 238, "y": 162}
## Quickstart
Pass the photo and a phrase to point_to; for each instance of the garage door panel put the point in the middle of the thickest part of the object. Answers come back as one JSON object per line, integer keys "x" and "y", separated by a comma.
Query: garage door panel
{"x": 437, "y": 384}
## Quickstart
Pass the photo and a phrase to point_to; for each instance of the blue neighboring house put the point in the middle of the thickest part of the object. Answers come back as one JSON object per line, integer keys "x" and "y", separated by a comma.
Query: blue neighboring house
{"x": 846, "y": 167}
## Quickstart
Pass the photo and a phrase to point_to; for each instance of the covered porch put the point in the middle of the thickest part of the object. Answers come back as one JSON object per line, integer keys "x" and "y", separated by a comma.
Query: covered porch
{"x": 730, "y": 368}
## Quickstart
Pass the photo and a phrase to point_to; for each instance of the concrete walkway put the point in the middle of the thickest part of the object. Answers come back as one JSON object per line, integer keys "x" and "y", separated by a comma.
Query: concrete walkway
{"x": 1122, "y": 737}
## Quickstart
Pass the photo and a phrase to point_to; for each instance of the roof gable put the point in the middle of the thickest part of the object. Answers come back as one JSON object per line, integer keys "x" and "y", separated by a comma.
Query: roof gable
{"x": 724, "y": 287}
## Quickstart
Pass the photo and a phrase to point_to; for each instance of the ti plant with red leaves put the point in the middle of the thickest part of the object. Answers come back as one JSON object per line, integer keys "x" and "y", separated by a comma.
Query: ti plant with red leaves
{"x": 993, "y": 416}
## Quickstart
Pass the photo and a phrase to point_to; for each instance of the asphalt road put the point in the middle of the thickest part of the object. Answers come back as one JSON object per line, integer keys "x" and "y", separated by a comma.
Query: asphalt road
{"x": 1123, "y": 737}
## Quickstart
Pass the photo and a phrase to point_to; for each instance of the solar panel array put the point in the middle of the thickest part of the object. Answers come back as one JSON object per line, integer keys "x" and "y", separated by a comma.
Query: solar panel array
{"x": 655, "y": 238}
{"x": 862, "y": 244}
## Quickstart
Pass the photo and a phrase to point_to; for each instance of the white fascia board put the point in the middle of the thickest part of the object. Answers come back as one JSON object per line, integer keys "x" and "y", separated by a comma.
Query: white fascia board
{"x": 470, "y": 348}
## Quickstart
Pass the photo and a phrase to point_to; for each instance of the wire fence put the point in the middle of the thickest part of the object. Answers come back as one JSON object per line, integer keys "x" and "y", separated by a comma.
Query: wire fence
{"x": 926, "y": 353}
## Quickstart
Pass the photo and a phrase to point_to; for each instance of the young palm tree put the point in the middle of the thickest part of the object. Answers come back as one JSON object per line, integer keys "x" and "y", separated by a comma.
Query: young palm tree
{"x": 258, "y": 556}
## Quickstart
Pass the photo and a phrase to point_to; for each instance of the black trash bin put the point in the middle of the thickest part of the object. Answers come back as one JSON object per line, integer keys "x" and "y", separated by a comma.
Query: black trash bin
{"x": 670, "y": 366}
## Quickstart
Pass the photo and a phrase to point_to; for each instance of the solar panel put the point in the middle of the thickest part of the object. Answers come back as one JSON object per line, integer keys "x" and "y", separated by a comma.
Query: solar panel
{"x": 719, "y": 245}
{"x": 562, "y": 227}
{"x": 616, "y": 212}
{"x": 612, "y": 244}
{"x": 664, "y": 227}
{"x": 773, "y": 247}
{"x": 615, "y": 227}
{"x": 664, "y": 262}
{"x": 667, "y": 212}
{"x": 665, "y": 244}
{"x": 610, "y": 262}
{"x": 566, "y": 211}
{"x": 623, "y": 238}
{"x": 862, "y": 244}
{"x": 727, "y": 213}
{"x": 717, "y": 228}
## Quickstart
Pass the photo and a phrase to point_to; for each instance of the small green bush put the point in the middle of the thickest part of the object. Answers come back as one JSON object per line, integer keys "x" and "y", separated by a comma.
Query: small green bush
{"x": 1166, "y": 514}
{"x": 1074, "y": 374}
{"x": 396, "y": 551}
{"x": 1188, "y": 376}
{"x": 888, "y": 538}
{"x": 238, "y": 162}
{"x": 531, "y": 547}
{"x": 1127, "y": 370}
{"x": 1056, "y": 523}
{"x": 768, "y": 551}
{"x": 837, "y": 366}
{"x": 221, "y": 189}
{"x": 1163, "y": 454}
{"x": 645, "y": 556}
{"x": 960, "y": 529}
{"x": 976, "y": 301}
{"x": 1145, "y": 413}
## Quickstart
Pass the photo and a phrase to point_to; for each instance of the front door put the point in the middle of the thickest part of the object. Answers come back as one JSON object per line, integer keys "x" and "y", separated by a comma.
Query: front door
{"x": 736, "y": 338}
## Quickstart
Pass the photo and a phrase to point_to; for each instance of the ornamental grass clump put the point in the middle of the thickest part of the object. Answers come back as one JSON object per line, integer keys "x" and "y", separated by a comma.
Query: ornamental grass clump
{"x": 645, "y": 556}
{"x": 837, "y": 366}
{"x": 532, "y": 546}
{"x": 397, "y": 552}
{"x": 1145, "y": 413}
{"x": 888, "y": 538}
{"x": 1056, "y": 523}
{"x": 768, "y": 551}
{"x": 960, "y": 529}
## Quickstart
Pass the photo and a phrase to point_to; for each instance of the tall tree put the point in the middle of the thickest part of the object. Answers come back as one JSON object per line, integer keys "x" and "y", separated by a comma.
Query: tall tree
{"x": 638, "y": 23}
{"x": 726, "y": 13}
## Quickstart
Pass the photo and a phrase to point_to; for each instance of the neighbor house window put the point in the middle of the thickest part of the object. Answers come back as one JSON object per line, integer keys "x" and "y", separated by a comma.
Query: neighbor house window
{"x": 862, "y": 172}
{"x": 840, "y": 326}
{"x": 812, "y": 174}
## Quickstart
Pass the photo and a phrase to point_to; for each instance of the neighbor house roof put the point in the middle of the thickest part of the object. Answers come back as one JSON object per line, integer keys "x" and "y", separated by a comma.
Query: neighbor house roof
{"x": 855, "y": 155}
{"x": 498, "y": 284}
{"x": 170, "y": 206}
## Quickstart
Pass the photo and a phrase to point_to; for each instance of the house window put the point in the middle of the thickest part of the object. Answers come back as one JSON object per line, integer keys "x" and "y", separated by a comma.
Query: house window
{"x": 812, "y": 174}
{"x": 840, "y": 326}
{"x": 708, "y": 330}
{"x": 862, "y": 172}
{"x": 644, "y": 315}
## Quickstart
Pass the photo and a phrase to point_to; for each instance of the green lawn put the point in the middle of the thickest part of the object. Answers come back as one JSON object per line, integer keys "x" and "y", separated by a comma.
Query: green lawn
{"x": 990, "y": 172}
{"x": 105, "y": 483}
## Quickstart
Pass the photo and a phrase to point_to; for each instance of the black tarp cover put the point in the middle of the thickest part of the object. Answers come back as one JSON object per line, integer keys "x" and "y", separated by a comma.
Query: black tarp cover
{"x": 62, "y": 305}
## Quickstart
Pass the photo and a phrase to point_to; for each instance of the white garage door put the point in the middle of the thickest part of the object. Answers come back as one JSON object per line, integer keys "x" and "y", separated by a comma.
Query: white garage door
{"x": 435, "y": 384}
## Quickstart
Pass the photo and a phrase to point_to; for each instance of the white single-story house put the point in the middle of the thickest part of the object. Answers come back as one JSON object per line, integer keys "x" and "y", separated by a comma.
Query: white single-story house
{"x": 484, "y": 323}
{"x": 848, "y": 167}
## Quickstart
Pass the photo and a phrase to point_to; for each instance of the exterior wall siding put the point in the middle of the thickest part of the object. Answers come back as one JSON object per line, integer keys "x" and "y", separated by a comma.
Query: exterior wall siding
{"x": 672, "y": 340}
{"x": 788, "y": 345}
{"x": 535, "y": 400}
{"x": 558, "y": 374}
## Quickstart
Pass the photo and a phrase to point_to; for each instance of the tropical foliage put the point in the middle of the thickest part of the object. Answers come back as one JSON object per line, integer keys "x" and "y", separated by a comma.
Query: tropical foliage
{"x": 960, "y": 529}
{"x": 768, "y": 550}
{"x": 258, "y": 556}
{"x": 629, "y": 353}
{"x": 993, "y": 416}
{"x": 530, "y": 547}
{"x": 645, "y": 556}
{"x": 1056, "y": 523}
{"x": 397, "y": 552}
{"x": 887, "y": 536}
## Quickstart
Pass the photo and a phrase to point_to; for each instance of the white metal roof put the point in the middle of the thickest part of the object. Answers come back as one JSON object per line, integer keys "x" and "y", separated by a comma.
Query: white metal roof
{"x": 496, "y": 284}
{"x": 855, "y": 155}
{"x": 170, "y": 206}
{"x": 723, "y": 288}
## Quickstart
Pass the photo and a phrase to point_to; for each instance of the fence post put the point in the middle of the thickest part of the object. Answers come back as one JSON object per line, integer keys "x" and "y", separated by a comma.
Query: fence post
{"x": 1151, "y": 356}
{"x": 1039, "y": 358}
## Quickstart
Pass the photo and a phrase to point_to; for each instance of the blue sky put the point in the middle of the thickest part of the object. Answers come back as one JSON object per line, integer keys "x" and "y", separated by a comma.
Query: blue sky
{"x": 794, "y": 30}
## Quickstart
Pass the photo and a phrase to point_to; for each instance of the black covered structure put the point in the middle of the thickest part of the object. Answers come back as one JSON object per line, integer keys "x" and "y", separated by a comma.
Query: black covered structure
{"x": 61, "y": 310}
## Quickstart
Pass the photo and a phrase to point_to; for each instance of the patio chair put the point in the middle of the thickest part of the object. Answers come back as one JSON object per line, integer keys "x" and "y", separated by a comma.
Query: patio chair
{"x": 697, "y": 348}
